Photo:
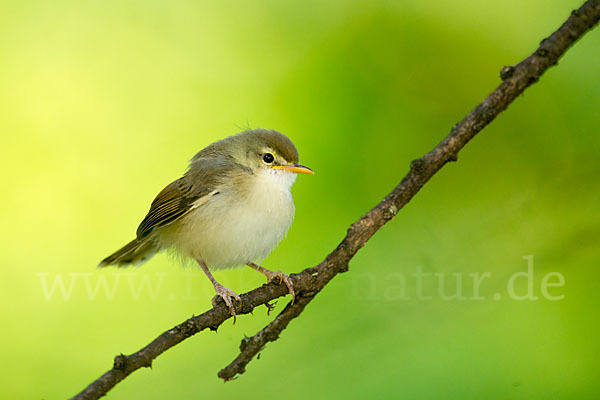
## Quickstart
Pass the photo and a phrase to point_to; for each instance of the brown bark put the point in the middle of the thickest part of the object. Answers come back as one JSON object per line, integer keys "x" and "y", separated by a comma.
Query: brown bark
{"x": 311, "y": 281}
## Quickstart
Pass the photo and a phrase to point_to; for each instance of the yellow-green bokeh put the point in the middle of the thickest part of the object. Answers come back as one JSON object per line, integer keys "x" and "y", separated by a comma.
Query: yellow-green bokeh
{"x": 102, "y": 103}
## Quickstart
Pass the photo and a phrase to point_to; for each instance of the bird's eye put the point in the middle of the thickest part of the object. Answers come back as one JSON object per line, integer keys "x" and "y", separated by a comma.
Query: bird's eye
{"x": 268, "y": 158}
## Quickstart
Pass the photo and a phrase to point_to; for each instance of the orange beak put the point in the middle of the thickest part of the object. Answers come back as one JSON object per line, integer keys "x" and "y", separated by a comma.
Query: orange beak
{"x": 297, "y": 168}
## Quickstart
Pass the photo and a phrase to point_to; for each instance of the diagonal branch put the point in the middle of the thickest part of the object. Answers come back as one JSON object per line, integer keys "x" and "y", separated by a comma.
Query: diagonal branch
{"x": 312, "y": 280}
{"x": 516, "y": 80}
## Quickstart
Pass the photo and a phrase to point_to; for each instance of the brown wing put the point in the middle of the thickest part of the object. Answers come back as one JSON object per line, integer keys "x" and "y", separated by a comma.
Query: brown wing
{"x": 172, "y": 203}
{"x": 178, "y": 198}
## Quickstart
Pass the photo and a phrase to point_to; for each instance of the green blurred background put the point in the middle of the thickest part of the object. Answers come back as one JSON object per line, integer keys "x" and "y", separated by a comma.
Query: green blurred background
{"x": 103, "y": 103}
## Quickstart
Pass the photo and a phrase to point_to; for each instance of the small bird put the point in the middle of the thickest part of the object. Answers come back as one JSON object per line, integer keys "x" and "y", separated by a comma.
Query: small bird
{"x": 231, "y": 208}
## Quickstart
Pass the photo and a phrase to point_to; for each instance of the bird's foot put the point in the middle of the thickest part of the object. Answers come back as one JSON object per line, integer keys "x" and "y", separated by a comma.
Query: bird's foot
{"x": 225, "y": 294}
{"x": 271, "y": 276}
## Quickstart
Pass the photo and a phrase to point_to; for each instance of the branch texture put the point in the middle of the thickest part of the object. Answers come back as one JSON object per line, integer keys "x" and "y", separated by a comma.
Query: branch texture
{"x": 308, "y": 283}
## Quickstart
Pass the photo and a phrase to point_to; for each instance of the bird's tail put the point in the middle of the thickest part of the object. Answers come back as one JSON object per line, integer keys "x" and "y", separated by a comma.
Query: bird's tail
{"x": 135, "y": 252}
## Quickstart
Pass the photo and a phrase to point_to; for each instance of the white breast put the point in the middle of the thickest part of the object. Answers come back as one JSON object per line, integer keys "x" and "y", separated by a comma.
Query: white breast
{"x": 228, "y": 231}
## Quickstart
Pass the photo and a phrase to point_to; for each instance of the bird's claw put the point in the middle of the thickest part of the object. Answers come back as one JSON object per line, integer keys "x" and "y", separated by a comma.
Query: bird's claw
{"x": 226, "y": 294}
{"x": 285, "y": 279}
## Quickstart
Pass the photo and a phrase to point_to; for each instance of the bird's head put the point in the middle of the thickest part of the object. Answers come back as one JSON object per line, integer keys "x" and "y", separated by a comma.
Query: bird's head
{"x": 262, "y": 150}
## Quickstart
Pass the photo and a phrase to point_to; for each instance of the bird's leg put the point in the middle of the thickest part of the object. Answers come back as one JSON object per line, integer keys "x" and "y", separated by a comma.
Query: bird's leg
{"x": 223, "y": 292}
{"x": 271, "y": 276}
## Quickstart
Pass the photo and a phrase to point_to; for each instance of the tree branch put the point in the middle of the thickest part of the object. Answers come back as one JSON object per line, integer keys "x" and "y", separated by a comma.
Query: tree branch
{"x": 311, "y": 281}
{"x": 516, "y": 80}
